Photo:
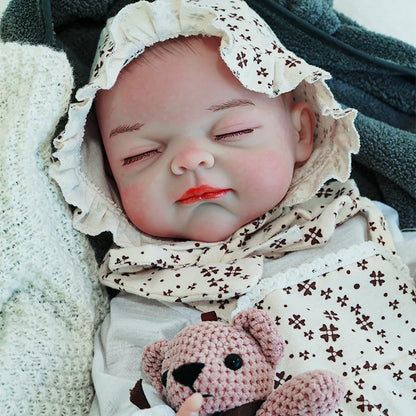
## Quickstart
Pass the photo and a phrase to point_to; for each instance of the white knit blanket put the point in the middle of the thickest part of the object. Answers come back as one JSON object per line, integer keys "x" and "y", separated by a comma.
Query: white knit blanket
{"x": 50, "y": 300}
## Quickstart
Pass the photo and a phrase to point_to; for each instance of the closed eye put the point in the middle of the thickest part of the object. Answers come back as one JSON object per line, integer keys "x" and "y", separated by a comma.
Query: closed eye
{"x": 233, "y": 134}
{"x": 139, "y": 157}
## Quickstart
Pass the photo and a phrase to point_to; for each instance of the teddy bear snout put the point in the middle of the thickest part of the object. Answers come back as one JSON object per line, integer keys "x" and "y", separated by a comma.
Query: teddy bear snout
{"x": 186, "y": 374}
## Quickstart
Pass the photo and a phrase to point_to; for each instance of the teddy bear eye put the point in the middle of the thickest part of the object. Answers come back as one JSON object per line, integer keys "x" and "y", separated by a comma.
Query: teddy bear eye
{"x": 164, "y": 378}
{"x": 233, "y": 362}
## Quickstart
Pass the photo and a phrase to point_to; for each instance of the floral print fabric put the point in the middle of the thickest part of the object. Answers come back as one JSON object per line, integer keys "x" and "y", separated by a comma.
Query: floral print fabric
{"x": 149, "y": 270}
{"x": 357, "y": 321}
{"x": 350, "y": 312}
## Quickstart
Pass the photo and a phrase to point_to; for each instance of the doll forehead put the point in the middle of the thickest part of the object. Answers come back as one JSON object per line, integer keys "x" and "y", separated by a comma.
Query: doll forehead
{"x": 159, "y": 52}
{"x": 175, "y": 46}
{"x": 177, "y": 80}
{"x": 173, "y": 62}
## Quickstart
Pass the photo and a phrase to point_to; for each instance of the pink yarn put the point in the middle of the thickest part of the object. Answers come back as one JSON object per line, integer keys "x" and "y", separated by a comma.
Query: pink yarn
{"x": 231, "y": 365}
{"x": 313, "y": 393}
{"x": 210, "y": 343}
{"x": 259, "y": 325}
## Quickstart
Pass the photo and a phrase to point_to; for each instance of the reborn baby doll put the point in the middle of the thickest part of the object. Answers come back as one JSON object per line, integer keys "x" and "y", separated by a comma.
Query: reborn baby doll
{"x": 219, "y": 144}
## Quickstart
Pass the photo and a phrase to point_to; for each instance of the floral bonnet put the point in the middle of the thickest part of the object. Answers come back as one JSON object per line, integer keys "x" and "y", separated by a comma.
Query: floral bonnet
{"x": 254, "y": 55}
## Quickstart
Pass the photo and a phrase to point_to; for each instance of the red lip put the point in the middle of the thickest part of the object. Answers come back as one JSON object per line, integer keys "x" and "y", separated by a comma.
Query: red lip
{"x": 203, "y": 192}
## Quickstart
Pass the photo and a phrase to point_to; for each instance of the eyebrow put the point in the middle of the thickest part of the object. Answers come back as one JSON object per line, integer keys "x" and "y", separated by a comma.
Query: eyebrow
{"x": 230, "y": 104}
{"x": 125, "y": 128}
{"x": 237, "y": 102}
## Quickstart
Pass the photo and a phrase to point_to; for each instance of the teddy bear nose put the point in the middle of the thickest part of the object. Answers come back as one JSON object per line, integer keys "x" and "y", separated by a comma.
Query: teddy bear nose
{"x": 187, "y": 374}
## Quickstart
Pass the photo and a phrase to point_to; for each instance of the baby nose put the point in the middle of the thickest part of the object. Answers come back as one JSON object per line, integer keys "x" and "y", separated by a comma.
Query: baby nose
{"x": 191, "y": 159}
{"x": 187, "y": 374}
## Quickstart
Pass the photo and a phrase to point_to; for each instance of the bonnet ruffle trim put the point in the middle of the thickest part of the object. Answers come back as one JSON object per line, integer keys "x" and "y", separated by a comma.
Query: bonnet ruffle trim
{"x": 254, "y": 55}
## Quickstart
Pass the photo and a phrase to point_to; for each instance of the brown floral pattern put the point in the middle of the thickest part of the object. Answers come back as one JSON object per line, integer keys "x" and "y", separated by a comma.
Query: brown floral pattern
{"x": 352, "y": 314}
{"x": 356, "y": 321}
{"x": 149, "y": 270}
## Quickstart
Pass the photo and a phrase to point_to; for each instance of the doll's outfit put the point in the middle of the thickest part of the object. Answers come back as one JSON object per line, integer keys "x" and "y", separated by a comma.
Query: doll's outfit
{"x": 322, "y": 262}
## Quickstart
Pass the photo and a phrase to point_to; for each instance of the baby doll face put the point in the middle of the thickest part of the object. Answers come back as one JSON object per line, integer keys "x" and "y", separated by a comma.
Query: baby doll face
{"x": 194, "y": 154}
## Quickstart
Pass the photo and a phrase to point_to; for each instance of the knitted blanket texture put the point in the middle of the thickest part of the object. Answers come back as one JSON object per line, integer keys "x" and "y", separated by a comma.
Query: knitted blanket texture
{"x": 50, "y": 301}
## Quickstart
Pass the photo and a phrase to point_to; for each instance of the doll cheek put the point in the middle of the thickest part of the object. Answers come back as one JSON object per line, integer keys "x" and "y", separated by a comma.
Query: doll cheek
{"x": 135, "y": 202}
{"x": 131, "y": 192}
{"x": 273, "y": 166}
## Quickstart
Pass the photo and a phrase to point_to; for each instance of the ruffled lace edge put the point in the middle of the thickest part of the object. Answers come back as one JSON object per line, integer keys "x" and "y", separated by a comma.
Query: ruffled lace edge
{"x": 316, "y": 268}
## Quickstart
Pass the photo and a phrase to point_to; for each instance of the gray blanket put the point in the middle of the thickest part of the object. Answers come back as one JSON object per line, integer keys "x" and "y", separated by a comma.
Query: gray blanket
{"x": 374, "y": 73}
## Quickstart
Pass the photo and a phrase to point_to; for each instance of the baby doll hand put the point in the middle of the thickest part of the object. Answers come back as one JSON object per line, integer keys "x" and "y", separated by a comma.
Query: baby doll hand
{"x": 191, "y": 406}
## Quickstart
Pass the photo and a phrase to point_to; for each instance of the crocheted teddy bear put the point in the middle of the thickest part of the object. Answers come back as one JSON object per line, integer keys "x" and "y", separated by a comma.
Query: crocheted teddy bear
{"x": 233, "y": 367}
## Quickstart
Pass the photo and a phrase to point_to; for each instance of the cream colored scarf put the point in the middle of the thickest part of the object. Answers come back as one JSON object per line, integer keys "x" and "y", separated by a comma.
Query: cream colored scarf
{"x": 191, "y": 271}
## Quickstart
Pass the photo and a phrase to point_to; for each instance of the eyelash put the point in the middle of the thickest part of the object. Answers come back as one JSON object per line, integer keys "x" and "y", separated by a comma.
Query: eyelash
{"x": 129, "y": 160}
{"x": 233, "y": 134}
{"x": 141, "y": 156}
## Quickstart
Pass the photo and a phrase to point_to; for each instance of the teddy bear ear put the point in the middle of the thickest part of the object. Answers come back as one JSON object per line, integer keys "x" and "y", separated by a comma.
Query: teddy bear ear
{"x": 152, "y": 359}
{"x": 261, "y": 327}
